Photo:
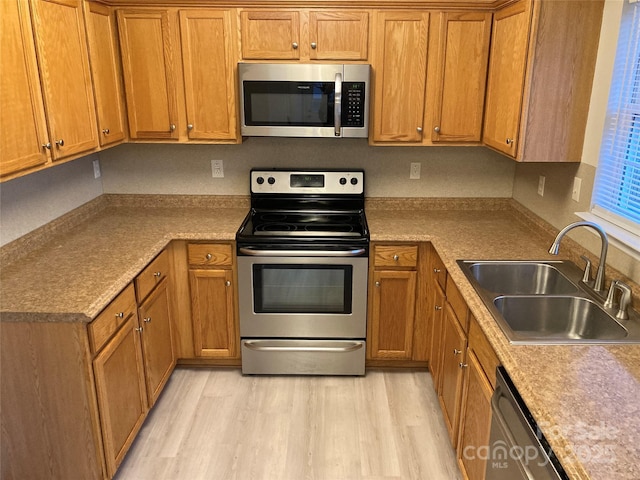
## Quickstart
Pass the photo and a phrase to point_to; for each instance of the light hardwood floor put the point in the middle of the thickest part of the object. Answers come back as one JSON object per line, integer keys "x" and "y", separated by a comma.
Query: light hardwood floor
{"x": 217, "y": 424}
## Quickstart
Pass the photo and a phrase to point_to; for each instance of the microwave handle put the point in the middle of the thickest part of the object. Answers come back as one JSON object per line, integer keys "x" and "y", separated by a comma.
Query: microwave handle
{"x": 337, "y": 105}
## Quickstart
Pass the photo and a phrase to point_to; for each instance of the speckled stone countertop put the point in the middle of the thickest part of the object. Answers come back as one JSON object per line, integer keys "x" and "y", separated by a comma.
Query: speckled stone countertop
{"x": 585, "y": 398}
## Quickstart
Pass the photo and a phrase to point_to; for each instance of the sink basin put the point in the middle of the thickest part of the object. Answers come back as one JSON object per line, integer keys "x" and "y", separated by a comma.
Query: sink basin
{"x": 521, "y": 278}
{"x": 558, "y": 318}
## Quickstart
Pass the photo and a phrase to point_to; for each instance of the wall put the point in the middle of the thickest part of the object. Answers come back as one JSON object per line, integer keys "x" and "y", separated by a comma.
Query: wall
{"x": 557, "y": 206}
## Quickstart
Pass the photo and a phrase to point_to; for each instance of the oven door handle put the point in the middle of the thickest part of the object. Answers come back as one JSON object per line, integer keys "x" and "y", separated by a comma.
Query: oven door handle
{"x": 302, "y": 253}
{"x": 255, "y": 345}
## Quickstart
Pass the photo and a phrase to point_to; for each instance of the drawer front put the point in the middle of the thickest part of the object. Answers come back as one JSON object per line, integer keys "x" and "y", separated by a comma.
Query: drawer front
{"x": 486, "y": 355}
{"x": 205, "y": 254}
{"x": 458, "y": 304}
{"x": 116, "y": 313}
{"x": 396, "y": 256}
{"x": 439, "y": 270}
{"x": 152, "y": 275}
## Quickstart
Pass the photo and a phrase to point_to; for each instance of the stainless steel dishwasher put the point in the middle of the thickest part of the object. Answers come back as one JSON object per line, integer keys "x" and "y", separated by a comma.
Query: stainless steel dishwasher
{"x": 517, "y": 447}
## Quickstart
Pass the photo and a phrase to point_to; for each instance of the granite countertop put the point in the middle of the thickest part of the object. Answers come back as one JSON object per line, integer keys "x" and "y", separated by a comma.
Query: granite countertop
{"x": 585, "y": 398}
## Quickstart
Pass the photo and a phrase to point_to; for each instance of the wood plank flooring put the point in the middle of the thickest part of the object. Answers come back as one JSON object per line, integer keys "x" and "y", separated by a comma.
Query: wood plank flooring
{"x": 217, "y": 424}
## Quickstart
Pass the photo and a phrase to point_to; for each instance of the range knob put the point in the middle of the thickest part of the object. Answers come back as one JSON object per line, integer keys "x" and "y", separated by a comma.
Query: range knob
{"x": 354, "y": 181}
{"x": 259, "y": 180}
{"x": 343, "y": 181}
{"x": 271, "y": 180}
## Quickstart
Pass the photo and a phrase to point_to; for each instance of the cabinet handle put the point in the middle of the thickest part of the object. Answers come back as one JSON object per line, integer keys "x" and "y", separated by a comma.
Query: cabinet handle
{"x": 314, "y": 45}
{"x": 456, "y": 351}
{"x": 437, "y": 129}
{"x": 509, "y": 141}
{"x": 138, "y": 329}
{"x": 172, "y": 127}
{"x": 377, "y": 284}
{"x": 190, "y": 126}
{"x": 419, "y": 129}
{"x": 227, "y": 283}
{"x": 105, "y": 131}
{"x": 438, "y": 308}
{"x": 436, "y": 270}
{"x": 147, "y": 320}
{"x": 294, "y": 45}
{"x": 157, "y": 274}
{"x": 209, "y": 256}
{"x": 463, "y": 365}
{"x": 60, "y": 143}
{"x": 120, "y": 315}
{"x": 47, "y": 145}
{"x": 396, "y": 258}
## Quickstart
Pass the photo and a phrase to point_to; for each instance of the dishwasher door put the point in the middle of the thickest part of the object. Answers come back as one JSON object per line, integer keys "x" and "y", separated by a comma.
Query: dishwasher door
{"x": 516, "y": 445}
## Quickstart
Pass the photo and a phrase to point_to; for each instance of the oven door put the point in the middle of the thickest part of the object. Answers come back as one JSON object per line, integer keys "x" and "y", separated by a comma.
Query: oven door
{"x": 302, "y": 297}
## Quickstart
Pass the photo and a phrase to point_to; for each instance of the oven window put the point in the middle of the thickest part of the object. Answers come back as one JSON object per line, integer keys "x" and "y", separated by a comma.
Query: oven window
{"x": 302, "y": 288}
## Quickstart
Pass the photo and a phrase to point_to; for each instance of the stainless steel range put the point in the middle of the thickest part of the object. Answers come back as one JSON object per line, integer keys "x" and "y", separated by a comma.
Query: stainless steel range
{"x": 302, "y": 273}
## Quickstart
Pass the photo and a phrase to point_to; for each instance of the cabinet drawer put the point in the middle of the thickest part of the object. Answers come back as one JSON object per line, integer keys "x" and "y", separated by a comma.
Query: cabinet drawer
{"x": 203, "y": 254}
{"x": 396, "y": 255}
{"x": 480, "y": 345}
{"x": 458, "y": 304}
{"x": 116, "y": 313}
{"x": 439, "y": 270}
{"x": 152, "y": 275}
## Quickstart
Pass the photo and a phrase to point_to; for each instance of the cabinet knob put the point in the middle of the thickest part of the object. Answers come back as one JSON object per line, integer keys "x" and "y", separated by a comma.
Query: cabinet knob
{"x": 463, "y": 365}
{"x": 120, "y": 315}
{"x": 438, "y": 307}
{"x": 47, "y": 145}
{"x": 172, "y": 127}
{"x": 314, "y": 45}
{"x": 138, "y": 329}
{"x": 157, "y": 274}
{"x": 209, "y": 256}
{"x": 419, "y": 129}
{"x": 456, "y": 351}
{"x": 396, "y": 258}
{"x": 147, "y": 320}
{"x": 509, "y": 141}
{"x": 437, "y": 129}
{"x": 60, "y": 143}
{"x": 436, "y": 270}
{"x": 294, "y": 45}
{"x": 105, "y": 131}
{"x": 190, "y": 126}
{"x": 227, "y": 283}
{"x": 377, "y": 284}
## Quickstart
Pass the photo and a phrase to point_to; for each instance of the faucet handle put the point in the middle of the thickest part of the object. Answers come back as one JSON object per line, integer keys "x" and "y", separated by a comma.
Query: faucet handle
{"x": 586, "y": 276}
{"x": 610, "y": 301}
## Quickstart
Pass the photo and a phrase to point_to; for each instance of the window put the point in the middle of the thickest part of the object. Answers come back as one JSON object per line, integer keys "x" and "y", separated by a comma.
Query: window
{"x": 616, "y": 194}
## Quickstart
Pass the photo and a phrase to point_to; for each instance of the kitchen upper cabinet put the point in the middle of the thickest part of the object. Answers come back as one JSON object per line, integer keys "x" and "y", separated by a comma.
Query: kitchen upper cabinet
{"x": 392, "y": 302}
{"x": 541, "y": 68}
{"x": 61, "y": 44}
{"x": 105, "y": 66}
{"x": 149, "y": 74}
{"x": 399, "y": 71}
{"x": 22, "y": 121}
{"x": 213, "y": 300}
{"x": 458, "y": 58}
{"x": 304, "y": 35}
{"x": 208, "y": 59}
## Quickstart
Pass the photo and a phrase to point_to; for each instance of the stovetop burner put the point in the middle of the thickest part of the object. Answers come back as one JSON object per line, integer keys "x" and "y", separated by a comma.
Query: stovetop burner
{"x": 301, "y": 224}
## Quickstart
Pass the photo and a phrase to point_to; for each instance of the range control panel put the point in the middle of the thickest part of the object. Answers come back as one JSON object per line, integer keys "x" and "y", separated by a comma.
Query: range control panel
{"x": 304, "y": 182}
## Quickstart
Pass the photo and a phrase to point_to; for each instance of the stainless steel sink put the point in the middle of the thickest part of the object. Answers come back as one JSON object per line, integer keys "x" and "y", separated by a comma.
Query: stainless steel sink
{"x": 545, "y": 302}
{"x": 558, "y": 317}
{"x": 521, "y": 278}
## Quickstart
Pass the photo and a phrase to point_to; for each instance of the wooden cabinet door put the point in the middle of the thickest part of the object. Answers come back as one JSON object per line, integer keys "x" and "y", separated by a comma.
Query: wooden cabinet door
{"x": 105, "y": 59}
{"x": 461, "y": 73}
{"x": 399, "y": 66}
{"x": 157, "y": 340}
{"x": 392, "y": 317}
{"x": 208, "y": 64}
{"x": 338, "y": 35}
{"x": 120, "y": 387}
{"x": 505, "y": 84}
{"x": 454, "y": 343}
{"x": 212, "y": 307}
{"x": 475, "y": 423}
{"x": 61, "y": 44}
{"x": 436, "y": 304}
{"x": 270, "y": 35}
{"x": 148, "y": 70}
{"x": 22, "y": 120}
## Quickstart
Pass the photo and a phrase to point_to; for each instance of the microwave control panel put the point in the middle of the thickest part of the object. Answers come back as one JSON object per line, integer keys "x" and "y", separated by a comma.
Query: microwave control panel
{"x": 353, "y": 104}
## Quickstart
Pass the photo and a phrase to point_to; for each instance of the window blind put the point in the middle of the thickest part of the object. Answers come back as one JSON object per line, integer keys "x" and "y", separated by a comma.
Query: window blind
{"x": 616, "y": 194}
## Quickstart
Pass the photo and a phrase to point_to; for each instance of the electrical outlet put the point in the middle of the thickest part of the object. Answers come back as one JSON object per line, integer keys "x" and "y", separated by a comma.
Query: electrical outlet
{"x": 541, "y": 180}
{"x": 217, "y": 169}
{"x": 414, "y": 174}
{"x": 577, "y": 185}
{"x": 96, "y": 169}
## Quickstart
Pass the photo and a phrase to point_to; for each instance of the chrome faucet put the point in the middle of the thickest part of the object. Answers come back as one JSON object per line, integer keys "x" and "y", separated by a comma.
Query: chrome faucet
{"x": 555, "y": 247}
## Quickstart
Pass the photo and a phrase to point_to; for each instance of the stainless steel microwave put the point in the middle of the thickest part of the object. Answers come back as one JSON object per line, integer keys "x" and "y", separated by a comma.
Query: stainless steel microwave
{"x": 304, "y": 100}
